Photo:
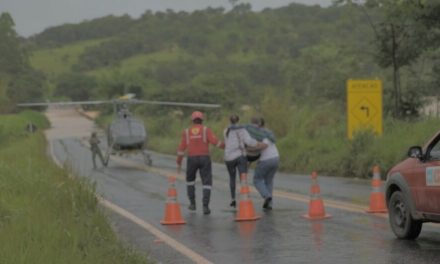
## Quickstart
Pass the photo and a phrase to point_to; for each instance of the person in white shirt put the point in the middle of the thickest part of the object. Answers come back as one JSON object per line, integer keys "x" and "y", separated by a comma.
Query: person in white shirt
{"x": 236, "y": 141}
{"x": 265, "y": 170}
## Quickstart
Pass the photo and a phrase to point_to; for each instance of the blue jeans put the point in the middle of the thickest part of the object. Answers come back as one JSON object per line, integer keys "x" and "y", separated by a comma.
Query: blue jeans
{"x": 263, "y": 176}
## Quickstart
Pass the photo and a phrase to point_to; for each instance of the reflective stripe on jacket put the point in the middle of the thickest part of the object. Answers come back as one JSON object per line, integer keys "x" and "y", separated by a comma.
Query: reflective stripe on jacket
{"x": 196, "y": 139}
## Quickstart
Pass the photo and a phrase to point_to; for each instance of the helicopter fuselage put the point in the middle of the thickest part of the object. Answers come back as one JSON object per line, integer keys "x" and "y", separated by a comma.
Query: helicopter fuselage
{"x": 126, "y": 133}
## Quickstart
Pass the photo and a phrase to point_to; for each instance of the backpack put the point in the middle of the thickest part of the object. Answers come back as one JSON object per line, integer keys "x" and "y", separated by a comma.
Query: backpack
{"x": 252, "y": 155}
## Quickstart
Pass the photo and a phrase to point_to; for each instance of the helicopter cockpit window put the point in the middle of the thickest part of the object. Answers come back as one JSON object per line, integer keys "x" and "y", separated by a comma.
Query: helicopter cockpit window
{"x": 123, "y": 113}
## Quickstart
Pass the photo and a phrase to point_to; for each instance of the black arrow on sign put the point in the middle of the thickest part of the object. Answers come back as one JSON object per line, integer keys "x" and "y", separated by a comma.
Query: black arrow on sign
{"x": 366, "y": 109}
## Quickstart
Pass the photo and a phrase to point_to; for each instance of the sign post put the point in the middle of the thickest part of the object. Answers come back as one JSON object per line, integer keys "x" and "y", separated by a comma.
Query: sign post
{"x": 364, "y": 106}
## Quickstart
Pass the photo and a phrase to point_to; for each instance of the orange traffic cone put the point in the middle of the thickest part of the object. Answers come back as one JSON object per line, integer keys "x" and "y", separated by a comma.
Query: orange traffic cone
{"x": 377, "y": 198}
{"x": 172, "y": 209}
{"x": 246, "y": 210}
{"x": 316, "y": 206}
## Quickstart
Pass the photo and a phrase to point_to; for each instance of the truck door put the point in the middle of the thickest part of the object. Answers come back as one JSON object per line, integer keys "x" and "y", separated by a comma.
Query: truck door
{"x": 431, "y": 193}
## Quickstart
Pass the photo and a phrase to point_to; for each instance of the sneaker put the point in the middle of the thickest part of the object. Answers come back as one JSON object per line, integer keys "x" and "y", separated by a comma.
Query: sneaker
{"x": 233, "y": 204}
{"x": 266, "y": 204}
{"x": 206, "y": 210}
{"x": 192, "y": 207}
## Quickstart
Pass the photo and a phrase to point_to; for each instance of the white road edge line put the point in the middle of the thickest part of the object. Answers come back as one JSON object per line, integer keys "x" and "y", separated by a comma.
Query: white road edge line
{"x": 145, "y": 225}
{"x": 162, "y": 236}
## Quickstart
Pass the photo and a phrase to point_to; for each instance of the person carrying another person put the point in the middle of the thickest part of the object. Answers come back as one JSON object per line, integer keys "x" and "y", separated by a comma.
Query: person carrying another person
{"x": 236, "y": 140}
{"x": 195, "y": 140}
{"x": 94, "y": 147}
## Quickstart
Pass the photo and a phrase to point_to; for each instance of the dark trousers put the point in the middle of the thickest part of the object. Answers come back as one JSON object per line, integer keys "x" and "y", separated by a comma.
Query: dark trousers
{"x": 239, "y": 164}
{"x": 203, "y": 165}
{"x": 97, "y": 151}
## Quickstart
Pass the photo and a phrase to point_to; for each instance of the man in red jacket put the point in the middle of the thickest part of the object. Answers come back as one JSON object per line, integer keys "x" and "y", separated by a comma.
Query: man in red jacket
{"x": 195, "y": 140}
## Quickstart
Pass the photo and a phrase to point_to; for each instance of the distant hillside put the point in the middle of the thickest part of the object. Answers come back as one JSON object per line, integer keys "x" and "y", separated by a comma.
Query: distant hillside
{"x": 55, "y": 61}
{"x": 305, "y": 53}
{"x": 300, "y": 50}
{"x": 97, "y": 28}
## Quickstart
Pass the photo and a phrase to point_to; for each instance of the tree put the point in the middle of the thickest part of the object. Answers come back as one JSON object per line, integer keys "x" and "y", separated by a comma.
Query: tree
{"x": 28, "y": 86}
{"x": 400, "y": 38}
{"x": 21, "y": 83}
{"x": 76, "y": 86}
{"x": 13, "y": 59}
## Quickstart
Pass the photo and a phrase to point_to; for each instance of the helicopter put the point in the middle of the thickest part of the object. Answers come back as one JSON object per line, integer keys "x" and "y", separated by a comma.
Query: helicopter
{"x": 126, "y": 134}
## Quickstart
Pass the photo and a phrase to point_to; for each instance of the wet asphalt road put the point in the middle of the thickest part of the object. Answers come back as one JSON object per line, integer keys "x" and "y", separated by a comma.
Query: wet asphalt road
{"x": 280, "y": 236}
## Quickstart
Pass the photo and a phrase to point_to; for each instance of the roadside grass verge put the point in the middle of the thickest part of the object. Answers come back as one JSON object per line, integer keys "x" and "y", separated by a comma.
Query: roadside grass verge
{"x": 45, "y": 215}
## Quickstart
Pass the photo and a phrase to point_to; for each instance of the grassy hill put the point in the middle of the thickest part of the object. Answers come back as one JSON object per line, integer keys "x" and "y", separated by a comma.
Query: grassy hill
{"x": 55, "y": 61}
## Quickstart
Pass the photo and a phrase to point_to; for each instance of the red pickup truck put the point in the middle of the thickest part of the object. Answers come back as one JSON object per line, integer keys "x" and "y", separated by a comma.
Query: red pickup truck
{"x": 413, "y": 190}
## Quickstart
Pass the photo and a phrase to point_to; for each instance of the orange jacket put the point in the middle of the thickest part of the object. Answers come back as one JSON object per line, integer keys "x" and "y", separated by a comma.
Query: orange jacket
{"x": 196, "y": 140}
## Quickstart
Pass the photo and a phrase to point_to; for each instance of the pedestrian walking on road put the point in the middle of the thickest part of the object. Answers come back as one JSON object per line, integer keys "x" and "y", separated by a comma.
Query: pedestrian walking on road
{"x": 195, "y": 140}
{"x": 257, "y": 131}
{"x": 236, "y": 140}
{"x": 94, "y": 147}
{"x": 266, "y": 168}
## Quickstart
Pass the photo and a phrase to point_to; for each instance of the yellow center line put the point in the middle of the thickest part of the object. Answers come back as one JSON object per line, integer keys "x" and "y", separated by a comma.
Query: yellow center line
{"x": 277, "y": 193}
{"x": 345, "y": 206}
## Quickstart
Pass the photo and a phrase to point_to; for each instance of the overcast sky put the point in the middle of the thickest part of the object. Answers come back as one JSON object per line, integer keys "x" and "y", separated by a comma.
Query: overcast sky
{"x": 33, "y": 16}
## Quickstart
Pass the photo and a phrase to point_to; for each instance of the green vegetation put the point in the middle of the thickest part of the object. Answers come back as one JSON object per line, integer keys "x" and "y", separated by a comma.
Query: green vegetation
{"x": 288, "y": 64}
{"x": 307, "y": 52}
{"x": 309, "y": 138}
{"x": 18, "y": 80}
{"x": 56, "y": 61}
{"x": 45, "y": 215}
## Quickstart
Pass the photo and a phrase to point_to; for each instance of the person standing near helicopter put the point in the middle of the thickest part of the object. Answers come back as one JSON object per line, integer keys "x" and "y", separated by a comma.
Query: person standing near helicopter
{"x": 195, "y": 140}
{"x": 94, "y": 147}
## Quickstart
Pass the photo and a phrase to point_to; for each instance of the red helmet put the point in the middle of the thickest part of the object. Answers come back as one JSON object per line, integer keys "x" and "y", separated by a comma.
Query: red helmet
{"x": 196, "y": 115}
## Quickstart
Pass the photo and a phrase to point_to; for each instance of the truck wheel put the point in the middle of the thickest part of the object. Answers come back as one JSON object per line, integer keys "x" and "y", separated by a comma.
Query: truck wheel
{"x": 401, "y": 221}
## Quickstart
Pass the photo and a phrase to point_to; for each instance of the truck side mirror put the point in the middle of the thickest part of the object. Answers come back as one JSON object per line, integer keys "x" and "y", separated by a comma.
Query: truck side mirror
{"x": 415, "y": 152}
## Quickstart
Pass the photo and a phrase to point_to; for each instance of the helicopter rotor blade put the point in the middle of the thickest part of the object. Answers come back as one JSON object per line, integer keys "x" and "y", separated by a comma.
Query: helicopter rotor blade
{"x": 63, "y": 103}
{"x": 126, "y": 99}
{"x": 177, "y": 104}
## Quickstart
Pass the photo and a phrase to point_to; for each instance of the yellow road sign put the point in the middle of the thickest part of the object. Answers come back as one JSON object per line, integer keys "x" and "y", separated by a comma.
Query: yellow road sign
{"x": 364, "y": 106}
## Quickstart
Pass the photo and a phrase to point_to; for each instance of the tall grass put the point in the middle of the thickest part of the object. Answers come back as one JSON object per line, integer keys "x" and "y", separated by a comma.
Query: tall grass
{"x": 309, "y": 137}
{"x": 46, "y": 216}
